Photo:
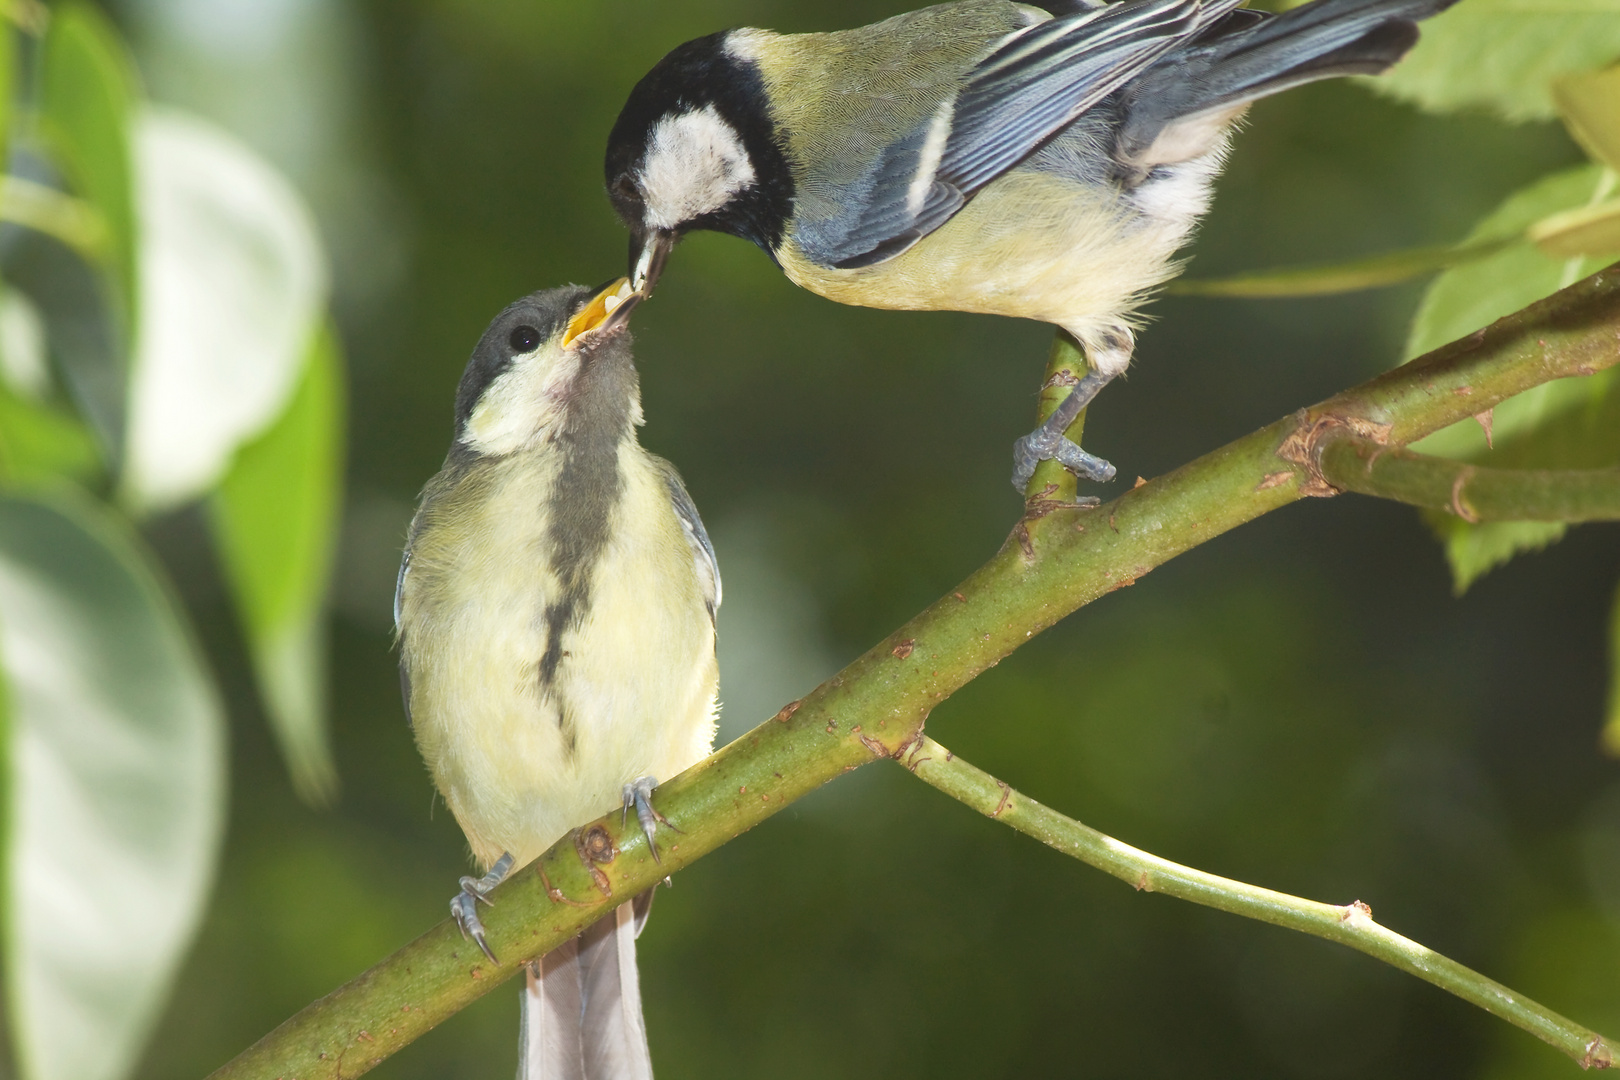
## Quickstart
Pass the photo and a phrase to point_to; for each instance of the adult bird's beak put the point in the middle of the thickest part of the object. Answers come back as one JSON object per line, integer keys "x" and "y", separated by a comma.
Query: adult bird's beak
{"x": 648, "y": 250}
{"x": 607, "y": 311}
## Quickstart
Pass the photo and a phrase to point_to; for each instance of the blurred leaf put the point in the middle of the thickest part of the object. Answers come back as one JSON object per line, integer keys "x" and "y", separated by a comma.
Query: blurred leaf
{"x": 1472, "y": 551}
{"x": 232, "y": 282}
{"x": 1585, "y": 230}
{"x": 1370, "y": 273}
{"x": 1590, "y": 106}
{"x": 275, "y": 518}
{"x": 1570, "y": 423}
{"x": 88, "y": 90}
{"x": 1504, "y": 55}
{"x": 73, "y": 222}
{"x": 39, "y": 443}
{"x": 117, "y": 756}
{"x": 1467, "y": 298}
{"x": 1611, "y": 726}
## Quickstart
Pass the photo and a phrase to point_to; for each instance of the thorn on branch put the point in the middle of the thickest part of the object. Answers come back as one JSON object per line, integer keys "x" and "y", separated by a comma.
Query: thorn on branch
{"x": 555, "y": 893}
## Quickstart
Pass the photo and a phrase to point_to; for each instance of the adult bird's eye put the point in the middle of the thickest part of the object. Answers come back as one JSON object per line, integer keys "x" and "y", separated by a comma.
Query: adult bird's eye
{"x": 524, "y": 339}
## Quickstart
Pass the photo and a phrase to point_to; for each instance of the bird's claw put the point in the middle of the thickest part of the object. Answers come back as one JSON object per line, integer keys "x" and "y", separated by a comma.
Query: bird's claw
{"x": 475, "y": 891}
{"x": 1042, "y": 445}
{"x": 638, "y": 794}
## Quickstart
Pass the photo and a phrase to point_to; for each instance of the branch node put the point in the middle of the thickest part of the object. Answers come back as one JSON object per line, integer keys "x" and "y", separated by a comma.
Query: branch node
{"x": 1304, "y": 446}
{"x": 904, "y": 649}
{"x": 1143, "y": 883}
{"x": 1006, "y": 798}
{"x": 1599, "y": 1054}
{"x": 787, "y": 711}
{"x": 583, "y": 846}
{"x": 1356, "y": 911}
{"x": 1458, "y": 507}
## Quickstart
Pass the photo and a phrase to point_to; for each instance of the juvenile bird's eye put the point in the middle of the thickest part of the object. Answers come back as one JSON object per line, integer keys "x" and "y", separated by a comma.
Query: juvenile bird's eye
{"x": 524, "y": 339}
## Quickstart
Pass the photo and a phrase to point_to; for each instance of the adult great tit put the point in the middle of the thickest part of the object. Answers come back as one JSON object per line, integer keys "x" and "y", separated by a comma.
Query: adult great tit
{"x": 984, "y": 156}
{"x": 555, "y": 614}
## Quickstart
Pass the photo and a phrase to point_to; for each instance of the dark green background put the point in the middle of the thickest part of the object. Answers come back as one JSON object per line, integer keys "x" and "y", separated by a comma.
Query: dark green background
{"x": 1301, "y": 704}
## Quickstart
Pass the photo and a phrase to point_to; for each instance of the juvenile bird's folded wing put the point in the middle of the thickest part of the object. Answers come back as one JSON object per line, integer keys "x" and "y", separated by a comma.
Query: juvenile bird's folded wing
{"x": 1037, "y": 81}
{"x": 697, "y": 537}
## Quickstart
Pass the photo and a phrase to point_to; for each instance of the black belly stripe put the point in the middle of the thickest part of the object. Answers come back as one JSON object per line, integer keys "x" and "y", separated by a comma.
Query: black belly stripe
{"x": 582, "y": 501}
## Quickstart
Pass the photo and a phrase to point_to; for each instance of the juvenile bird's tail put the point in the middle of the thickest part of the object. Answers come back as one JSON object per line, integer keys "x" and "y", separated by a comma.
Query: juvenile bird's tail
{"x": 1250, "y": 54}
{"x": 581, "y": 1015}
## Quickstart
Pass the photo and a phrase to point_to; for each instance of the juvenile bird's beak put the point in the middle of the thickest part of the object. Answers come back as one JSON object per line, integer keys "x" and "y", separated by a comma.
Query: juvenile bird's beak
{"x": 608, "y": 310}
{"x": 648, "y": 250}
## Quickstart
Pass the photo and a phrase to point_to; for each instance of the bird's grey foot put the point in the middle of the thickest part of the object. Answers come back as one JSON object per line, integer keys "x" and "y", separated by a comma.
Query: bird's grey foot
{"x": 1047, "y": 443}
{"x": 475, "y": 891}
{"x": 638, "y": 794}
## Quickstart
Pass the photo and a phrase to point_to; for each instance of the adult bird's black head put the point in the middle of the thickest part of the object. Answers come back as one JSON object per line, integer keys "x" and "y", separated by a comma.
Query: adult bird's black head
{"x": 695, "y": 148}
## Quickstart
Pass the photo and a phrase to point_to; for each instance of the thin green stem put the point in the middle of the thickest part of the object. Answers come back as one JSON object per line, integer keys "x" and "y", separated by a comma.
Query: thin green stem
{"x": 1351, "y": 924}
{"x": 1055, "y": 561}
{"x": 1472, "y": 492}
{"x": 72, "y": 221}
{"x": 1065, "y": 366}
{"x": 1373, "y": 272}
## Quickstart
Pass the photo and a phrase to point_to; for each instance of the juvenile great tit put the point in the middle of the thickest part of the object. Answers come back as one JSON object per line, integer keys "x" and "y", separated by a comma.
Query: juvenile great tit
{"x": 984, "y": 156}
{"x": 555, "y": 614}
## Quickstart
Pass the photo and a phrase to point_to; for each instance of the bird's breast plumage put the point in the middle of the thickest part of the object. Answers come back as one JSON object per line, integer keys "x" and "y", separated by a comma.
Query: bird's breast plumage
{"x": 531, "y": 723}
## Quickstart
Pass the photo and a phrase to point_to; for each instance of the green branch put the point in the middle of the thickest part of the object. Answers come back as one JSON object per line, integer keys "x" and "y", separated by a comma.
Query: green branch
{"x": 1472, "y": 492}
{"x": 1057, "y": 560}
{"x": 1352, "y": 924}
{"x": 1372, "y": 272}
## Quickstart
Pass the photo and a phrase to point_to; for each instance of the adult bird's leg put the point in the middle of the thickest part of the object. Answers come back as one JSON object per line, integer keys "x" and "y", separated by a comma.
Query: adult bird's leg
{"x": 475, "y": 891}
{"x": 638, "y": 794}
{"x": 1108, "y": 353}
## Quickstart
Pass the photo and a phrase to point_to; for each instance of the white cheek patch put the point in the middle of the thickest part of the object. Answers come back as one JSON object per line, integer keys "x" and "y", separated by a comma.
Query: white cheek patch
{"x": 695, "y": 163}
{"x": 524, "y": 403}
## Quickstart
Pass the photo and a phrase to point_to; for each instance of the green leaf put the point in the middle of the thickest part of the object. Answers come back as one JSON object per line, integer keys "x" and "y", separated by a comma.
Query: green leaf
{"x": 88, "y": 89}
{"x": 117, "y": 762}
{"x": 39, "y": 443}
{"x": 1590, "y": 106}
{"x": 1568, "y": 423}
{"x": 275, "y": 519}
{"x": 1504, "y": 55}
{"x": 233, "y": 283}
{"x": 1472, "y": 551}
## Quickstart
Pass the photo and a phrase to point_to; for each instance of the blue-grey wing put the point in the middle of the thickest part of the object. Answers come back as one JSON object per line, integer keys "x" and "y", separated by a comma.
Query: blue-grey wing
{"x": 697, "y": 537}
{"x": 1032, "y": 85}
{"x": 399, "y": 635}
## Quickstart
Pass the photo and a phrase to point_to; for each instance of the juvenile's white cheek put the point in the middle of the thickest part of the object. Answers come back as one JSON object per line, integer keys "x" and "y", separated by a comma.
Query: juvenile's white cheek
{"x": 695, "y": 163}
{"x": 524, "y": 403}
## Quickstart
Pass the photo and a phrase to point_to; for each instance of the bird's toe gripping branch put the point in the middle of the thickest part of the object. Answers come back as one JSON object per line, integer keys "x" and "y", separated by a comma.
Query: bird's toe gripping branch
{"x": 1047, "y": 442}
{"x": 475, "y": 891}
{"x": 638, "y": 794}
